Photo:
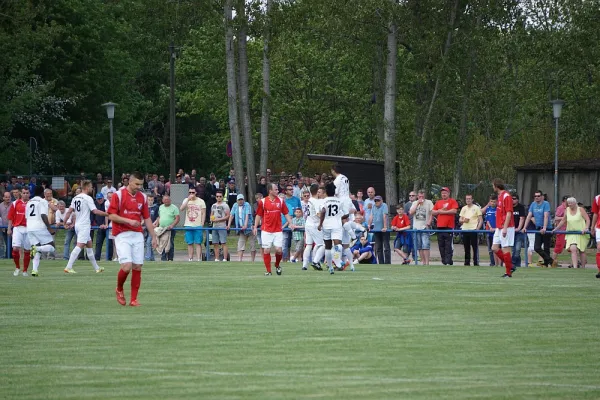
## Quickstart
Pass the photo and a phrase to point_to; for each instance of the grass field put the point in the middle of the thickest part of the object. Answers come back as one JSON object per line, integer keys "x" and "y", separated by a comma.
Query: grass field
{"x": 225, "y": 331}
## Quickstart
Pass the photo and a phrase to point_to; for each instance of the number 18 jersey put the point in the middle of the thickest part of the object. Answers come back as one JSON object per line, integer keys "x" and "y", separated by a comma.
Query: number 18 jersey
{"x": 333, "y": 209}
{"x": 82, "y": 205}
{"x": 33, "y": 212}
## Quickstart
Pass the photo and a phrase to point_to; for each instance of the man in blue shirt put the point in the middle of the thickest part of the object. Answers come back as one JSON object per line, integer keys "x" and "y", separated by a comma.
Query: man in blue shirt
{"x": 379, "y": 223}
{"x": 539, "y": 210}
{"x": 363, "y": 252}
{"x": 292, "y": 202}
{"x": 489, "y": 220}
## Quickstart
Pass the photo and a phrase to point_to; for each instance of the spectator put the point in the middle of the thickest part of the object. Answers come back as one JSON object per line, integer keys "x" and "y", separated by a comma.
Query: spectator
{"x": 559, "y": 243}
{"x": 153, "y": 211}
{"x": 361, "y": 201}
{"x": 219, "y": 214}
{"x": 421, "y": 212}
{"x": 4, "y": 206}
{"x": 445, "y": 210}
{"x": 32, "y": 184}
{"x": 400, "y": 224}
{"x": 160, "y": 187}
{"x": 369, "y": 203}
{"x": 231, "y": 193}
{"x": 99, "y": 184}
{"x": 363, "y": 251}
{"x": 195, "y": 215}
{"x": 268, "y": 178}
{"x": 108, "y": 188}
{"x": 292, "y": 203}
{"x": 52, "y": 208}
{"x": 69, "y": 233}
{"x": 539, "y": 210}
{"x": 297, "y": 226}
{"x": 153, "y": 185}
{"x": 489, "y": 212}
{"x": 242, "y": 214}
{"x": 168, "y": 218}
{"x": 576, "y": 219}
{"x": 520, "y": 237}
{"x": 99, "y": 221}
{"x": 13, "y": 184}
{"x": 379, "y": 224}
{"x": 261, "y": 187}
{"x": 221, "y": 185}
{"x": 412, "y": 196}
{"x": 213, "y": 181}
{"x": 471, "y": 220}
{"x": 231, "y": 176}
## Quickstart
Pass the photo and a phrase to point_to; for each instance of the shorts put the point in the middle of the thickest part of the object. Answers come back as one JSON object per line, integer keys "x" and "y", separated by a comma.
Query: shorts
{"x": 423, "y": 242}
{"x": 367, "y": 260}
{"x": 39, "y": 237}
{"x": 219, "y": 236}
{"x": 333, "y": 234}
{"x": 508, "y": 241}
{"x": 19, "y": 238}
{"x": 402, "y": 240}
{"x": 83, "y": 233}
{"x": 242, "y": 239}
{"x": 597, "y": 235}
{"x": 193, "y": 236}
{"x": 313, "y": 236}
{"x": 271, "y": 239}
{"x": 130, "y": 247}
{"x": 297, "y": 245}
{"x": 560, "y": 243}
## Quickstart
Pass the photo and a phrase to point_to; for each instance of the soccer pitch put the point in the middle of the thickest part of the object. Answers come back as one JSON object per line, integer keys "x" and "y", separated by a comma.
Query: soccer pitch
{"x": 225, "y": 331}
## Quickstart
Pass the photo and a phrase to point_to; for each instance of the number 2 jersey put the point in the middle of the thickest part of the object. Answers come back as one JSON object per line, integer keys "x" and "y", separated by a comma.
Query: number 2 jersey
{"x": 34, "y": 209}
{"x": 82, "y": 205}
{"x": 334, "y": 209}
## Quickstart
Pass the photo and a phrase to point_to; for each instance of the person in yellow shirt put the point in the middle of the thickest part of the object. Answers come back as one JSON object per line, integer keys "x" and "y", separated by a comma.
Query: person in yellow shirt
{"x": 471, "y": 220}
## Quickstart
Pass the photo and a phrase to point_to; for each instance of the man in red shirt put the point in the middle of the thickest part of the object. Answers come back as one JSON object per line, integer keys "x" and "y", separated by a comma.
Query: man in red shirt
{"x": 504, "y": 236}
{"x": 596, "y": 225}
{"x": 127, "y": 209}
{"x": 269, "y": 212}
{"x": 17, "y": 228}
{"x": 445, "y": 210}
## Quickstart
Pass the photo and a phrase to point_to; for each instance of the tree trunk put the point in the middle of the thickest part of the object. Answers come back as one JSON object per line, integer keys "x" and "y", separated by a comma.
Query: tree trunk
{"x": 377, "y": 103}
{"x": 425, "y": 130}
{"x": 234, "y": 128}
{"x": 389, "y": 117}
{"x": 266, "y": 73}
{"x": 245, "y": 104}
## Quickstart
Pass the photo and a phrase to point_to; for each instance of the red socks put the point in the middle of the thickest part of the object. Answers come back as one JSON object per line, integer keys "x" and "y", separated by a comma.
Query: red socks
{"x": 16, "y": 258}
{"x": 136, "y": 280}
{"x": 598, "y": 261}
{"x": 507, "y": 258}
{"x": 26, "y": 259}
{"x": 278, "y": 257}
{"x": 267, "y": 260}
{"x": 121, "y": 278}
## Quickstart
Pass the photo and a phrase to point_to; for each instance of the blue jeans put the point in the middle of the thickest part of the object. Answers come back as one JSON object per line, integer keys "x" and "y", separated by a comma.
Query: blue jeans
{"x": 164, "y": 256}
{"x": 287, "y": 242}
{"x": 69, "y": 235}
{"x": 148, "y": 250}
{"x": 520, "y": 242}
{"x": 3, "y": 243}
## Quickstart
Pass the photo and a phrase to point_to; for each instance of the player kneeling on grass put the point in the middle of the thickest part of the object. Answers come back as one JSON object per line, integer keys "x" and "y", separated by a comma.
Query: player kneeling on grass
{"x": 363, "y": 251}
{"x": 39, "y": 232}
{"x": 82, "y": 205}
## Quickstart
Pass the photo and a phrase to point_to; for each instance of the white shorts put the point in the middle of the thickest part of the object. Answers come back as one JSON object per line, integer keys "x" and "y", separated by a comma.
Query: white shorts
{"x": 333, "y": 234}
{"x": 313, "y": 236}
{"x": 39, "y": 237}
{"x": 130, "y": 247}
{"x": 271, "y": 239}
{"x": 19, "y": 238}
{"x": 83, "y": 233}
{"x": 597, "y": 235}
{"x": 507, "y": 241}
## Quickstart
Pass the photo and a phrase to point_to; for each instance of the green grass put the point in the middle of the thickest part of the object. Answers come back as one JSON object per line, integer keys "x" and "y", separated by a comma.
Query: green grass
{"x": 226, "y": 331}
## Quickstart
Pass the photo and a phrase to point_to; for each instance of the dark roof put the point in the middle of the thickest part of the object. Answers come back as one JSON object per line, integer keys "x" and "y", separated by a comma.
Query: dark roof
{"x": 585, "y": 165}
{"x": 358, "y": 160}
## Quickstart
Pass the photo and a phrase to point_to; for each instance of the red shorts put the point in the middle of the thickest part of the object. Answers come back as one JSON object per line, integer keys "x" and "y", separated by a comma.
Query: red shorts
{"x": 559, "y": 244}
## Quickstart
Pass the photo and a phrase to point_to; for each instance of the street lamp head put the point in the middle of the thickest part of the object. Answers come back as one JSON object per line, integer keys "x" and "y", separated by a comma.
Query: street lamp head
{"x": 110, "y": 109}
{"x": 557, "y": 107}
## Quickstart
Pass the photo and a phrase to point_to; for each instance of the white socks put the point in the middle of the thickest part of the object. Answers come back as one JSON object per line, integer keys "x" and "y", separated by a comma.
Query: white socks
{"x": 73, "y": 257}
{"x": 90, "y": 253}
{"x": 349, "y": 228}
{"x": 36, "y": 261}
{"x": 306, "y": 256}
{"x": 47, "y": 248}
{"x": 319, "y": 253}
{"x": 329, "y": 257}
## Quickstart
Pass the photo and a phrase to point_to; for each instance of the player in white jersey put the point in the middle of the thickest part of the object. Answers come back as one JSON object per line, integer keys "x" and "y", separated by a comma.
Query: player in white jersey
{"x": 39, "y": 232}
{"x": 342, "y": 192}
{"x": 314, "y": 237}
{"x": 82, "y": 205}
{"x": 332, "y": 212}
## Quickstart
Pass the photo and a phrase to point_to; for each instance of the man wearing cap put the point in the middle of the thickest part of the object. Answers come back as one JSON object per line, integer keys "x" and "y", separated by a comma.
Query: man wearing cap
{"x": 100, "y": 222}
{"x": 195, "y": 215}
{"x": 231, "y": 193}
{"x": 378, "y": 221}
{"x": 241, "y": 213}
{"x": 445, "y": 210}
{"x": 559, "y": 244}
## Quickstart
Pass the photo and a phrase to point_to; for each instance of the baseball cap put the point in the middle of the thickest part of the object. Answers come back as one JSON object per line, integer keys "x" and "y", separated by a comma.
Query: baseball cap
{"x": 447, "y": 189}
{"x": 378, "y": 198}
{"x": 20, "y": 177}
{"x": 99, "y": 196}
{"x": 564, "y": 198}
{"x": 240, "y": 196}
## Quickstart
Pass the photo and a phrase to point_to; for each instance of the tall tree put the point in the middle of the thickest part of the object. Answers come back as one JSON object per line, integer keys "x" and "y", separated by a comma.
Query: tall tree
{"x": 266, "y": 93}
{"x": 389, "y": 125}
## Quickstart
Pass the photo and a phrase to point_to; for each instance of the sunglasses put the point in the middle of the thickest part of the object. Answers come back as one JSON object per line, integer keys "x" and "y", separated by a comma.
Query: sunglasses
{"x": 537, "y": 195}
{"x": 192, "y": 192}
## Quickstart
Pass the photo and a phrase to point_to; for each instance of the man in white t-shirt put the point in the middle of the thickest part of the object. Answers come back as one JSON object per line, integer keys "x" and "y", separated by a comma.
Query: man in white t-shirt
{"x": 39, "y": 232}
{"x": 342, "y": 192}
{"x": 313, "y": 237}
{"x": 82, "y": 205}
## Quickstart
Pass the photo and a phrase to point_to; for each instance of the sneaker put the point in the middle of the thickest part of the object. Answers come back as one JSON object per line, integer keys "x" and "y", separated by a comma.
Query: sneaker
{"x": 304, "y": 269}
{"x": 134, "y": 303}
{"x": 331, "y": 270}
{"x": 33, "y": 251}
{"x": 115, "y": 259}
{"x": 355, "y": 262}
{"x": 554, "y": 264}
{"x": 316, "y": 267}
{"x": 292, "y": 260}
{"x": 534, "y": 265}
{"x": 120, "y": 297}
{"x": 346, "y": 265}
{"x": 570, "y": 266}
{"x": 352, "y": 268}
{"x": 352, "y": 242}
{"x": 506, "y": 276}
{"x": 598, "y": 275}
{"x": 25, "y": 274}
{"x": 268, "y": 274}
{"x": 217, "y": 260}
{"x": 34, "y": 274}
{"x": 407, "y": 261}
{"x": 100, "y": 270}
{"x": 16, "y": 272}
{"x": 69, "y": 271}
{"x": 513, "y": 269}
{"x": 278, "y": 270}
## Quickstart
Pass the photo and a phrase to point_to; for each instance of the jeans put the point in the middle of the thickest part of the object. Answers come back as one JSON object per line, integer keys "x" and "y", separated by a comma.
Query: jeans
{"x": 470, "y": 240}
{"x": 287, "y": 242}
{"x": 446, "y": 246}
{"x": 544, "y": 252}
{"x": 520, "y": 242}
{"x": 164, "y": 256}
{"x": 382, "y": 247}
{"x": 148, "y": 250}
{"x": 100, "y": 239}
{"x": 490, "y": 240}
{"x": 3, "y": 243}
{"x": 69, "y": 235}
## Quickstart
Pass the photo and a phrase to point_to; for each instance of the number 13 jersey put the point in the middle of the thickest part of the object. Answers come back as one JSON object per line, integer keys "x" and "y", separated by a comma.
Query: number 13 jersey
{"x": 82, "y": 205}
{"x": 334, "y": 210}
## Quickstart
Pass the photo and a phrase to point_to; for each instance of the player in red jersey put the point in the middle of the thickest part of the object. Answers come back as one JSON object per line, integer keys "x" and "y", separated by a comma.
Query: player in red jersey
{"x": 270, "y": 209}
{"x": 596, "y": 225}
{"x": 127, "y": 209}
{"x": 504, "y": 236}
{"x": 17, "y": 228}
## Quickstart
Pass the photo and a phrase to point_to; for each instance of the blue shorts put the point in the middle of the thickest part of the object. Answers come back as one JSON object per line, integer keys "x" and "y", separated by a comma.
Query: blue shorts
{"x": 403, "y": 239}
{"x": 193, "y": 236}
{"x": 423, "y": 242}
{"x": 219, "y": 236}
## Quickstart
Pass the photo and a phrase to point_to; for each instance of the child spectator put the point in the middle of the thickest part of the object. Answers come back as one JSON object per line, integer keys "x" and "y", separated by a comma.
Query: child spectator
{"x": 363, "y": 252}
{"x": 400, "y": 224}
{"x": 297, "y": 236}
{"x": 489, "y": 211}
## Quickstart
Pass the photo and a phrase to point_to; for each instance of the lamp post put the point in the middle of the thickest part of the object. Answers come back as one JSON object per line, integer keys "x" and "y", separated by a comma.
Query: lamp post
{"x": 110, "y": 112}
{"x": 556, "y": 108}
